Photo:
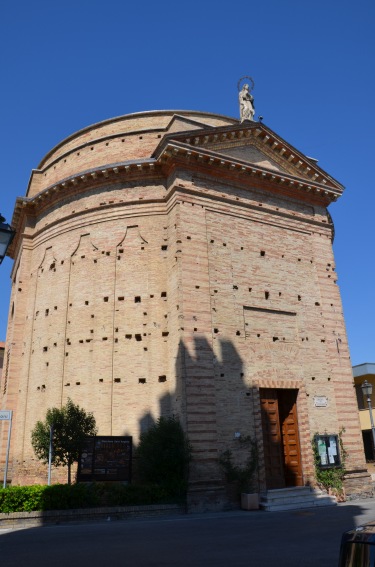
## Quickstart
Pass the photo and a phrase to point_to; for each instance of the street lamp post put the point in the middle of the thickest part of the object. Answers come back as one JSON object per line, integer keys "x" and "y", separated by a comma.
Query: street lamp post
{"x": 367, "y": 391}
{"x": 6, "y": 237}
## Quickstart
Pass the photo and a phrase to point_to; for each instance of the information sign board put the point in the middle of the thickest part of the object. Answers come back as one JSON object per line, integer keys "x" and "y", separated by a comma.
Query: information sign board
{"x": 105, "y": 458}
{"x": 328, "y": 450}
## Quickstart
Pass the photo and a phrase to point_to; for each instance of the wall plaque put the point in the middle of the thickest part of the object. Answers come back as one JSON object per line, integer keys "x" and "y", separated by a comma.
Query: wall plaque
{"x": 320, "y": 401}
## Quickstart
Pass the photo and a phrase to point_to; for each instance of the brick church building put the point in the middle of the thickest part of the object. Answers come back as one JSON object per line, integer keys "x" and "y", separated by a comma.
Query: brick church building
{"x": 181, "y": 263}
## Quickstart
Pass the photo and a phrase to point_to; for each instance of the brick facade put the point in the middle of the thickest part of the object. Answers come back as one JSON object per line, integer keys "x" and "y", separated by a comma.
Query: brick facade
{"x": 176, "y": 263}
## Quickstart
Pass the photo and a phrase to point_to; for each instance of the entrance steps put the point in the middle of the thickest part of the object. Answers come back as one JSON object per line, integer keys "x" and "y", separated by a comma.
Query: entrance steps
{"x": 294, "y": 498}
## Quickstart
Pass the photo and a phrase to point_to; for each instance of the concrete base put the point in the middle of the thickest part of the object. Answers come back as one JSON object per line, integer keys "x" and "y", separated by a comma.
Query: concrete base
{"x": 250, "y": 501}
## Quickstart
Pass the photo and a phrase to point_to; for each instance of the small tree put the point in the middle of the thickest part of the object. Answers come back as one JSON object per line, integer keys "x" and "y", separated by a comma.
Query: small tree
{"x": 245, "y": 476}
{"x": 163, "y": 455}
{"x": 71, "y": 424}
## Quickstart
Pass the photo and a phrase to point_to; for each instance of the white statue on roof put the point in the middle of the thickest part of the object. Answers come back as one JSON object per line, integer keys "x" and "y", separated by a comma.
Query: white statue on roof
{"x": 246, "y": 101}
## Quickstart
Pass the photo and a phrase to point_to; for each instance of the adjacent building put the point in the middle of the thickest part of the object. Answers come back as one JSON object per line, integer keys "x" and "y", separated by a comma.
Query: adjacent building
{"x": 362, "y": 372}
{"x": 181, "y": 263}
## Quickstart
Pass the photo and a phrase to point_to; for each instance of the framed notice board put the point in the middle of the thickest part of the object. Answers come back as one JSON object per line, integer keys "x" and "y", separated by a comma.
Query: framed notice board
{"x": 328, "y": 451}
{"x": 105, "y": 458}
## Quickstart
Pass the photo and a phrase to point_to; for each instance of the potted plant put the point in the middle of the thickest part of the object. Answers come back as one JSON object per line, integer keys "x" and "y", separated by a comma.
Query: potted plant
{"x": 244, "y": 477}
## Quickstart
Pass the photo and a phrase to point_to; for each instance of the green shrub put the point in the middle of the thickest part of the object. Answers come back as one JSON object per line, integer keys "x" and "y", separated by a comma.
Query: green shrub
{"x": 21, "y": 498}
{"x": 163, "y": 456}
{"x": 245, "y": 477}
{"x": 67, "y": 497}
{"x": 136, "y": 495}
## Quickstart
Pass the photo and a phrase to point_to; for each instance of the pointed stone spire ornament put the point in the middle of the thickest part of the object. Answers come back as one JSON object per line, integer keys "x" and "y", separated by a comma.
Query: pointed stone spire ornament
{"x": 245, "y": 99}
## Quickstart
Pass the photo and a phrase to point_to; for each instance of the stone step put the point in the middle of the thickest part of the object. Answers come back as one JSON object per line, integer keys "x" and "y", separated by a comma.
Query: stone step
{"x": 298, "y": 492}
{"x": 297, "y": 506}
{"x": 295, "y": 498}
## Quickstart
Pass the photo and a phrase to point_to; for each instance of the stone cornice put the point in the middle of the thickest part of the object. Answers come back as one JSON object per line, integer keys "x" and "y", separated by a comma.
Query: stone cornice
{"x": 184, "y": 151}
{"x": 282, "y": 151}
{"x": 210, "y": 159}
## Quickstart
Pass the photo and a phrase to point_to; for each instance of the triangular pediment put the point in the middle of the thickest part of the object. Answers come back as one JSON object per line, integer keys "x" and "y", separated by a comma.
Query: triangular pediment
{"x": 250, "y": 143}
{"x": 180, "y": 123}
{"x": 251, "y": 154}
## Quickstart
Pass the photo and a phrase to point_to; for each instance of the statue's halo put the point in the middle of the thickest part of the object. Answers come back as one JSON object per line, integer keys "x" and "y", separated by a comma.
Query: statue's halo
{"x": 246, "y": 77}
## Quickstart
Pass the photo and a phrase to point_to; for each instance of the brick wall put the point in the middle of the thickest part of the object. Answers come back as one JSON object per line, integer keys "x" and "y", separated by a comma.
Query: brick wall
{"x": 179, "y": 291}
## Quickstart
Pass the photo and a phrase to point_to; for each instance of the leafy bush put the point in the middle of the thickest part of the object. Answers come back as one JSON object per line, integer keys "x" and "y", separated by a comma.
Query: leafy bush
{"x": 21, "y": 498}
{"x": 163, "y": 455}
{"x": 136, "y": 495}
{"x": 244, "y": 477}
{"x": 67, "y": 496}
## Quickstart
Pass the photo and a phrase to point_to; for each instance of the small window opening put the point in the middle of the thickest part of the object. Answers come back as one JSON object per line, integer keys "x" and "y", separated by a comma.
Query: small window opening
{"x": 137, "y": 299}
{"x": 266, "y": 294}
{"x": 141, "y": 380}
{"x": 262, "y": 253}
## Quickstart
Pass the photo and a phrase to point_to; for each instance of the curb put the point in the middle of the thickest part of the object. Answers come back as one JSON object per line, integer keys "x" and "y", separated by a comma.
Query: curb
{"x": 50, "y": 517}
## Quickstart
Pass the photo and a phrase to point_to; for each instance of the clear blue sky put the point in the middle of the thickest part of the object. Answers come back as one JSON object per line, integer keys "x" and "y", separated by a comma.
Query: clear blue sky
{"x": 65, "y": 65}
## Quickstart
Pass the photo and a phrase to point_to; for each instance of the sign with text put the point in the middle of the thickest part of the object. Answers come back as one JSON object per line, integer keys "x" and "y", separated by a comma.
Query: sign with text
{"x": 105, "y": 458}
{"x": 5, "y": 415}
{"x": 320, "y": 401}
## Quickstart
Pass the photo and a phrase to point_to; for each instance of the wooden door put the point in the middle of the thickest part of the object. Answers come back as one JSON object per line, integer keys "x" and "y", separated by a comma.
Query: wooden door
{"x": 272, "y": 442}
{"x": 282, "y": 456}
{"x": 287, "y": 401}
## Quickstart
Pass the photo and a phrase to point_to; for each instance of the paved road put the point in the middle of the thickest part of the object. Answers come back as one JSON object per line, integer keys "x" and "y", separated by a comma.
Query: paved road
{"x": 300, "y": 538}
